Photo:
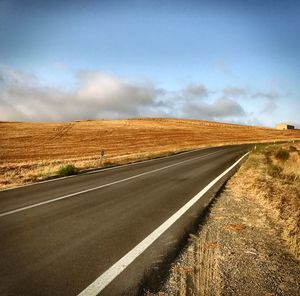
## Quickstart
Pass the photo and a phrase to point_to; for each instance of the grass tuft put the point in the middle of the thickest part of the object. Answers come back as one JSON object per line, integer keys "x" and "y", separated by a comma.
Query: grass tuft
{"x": 67, "y": 170}
{"x": 274, "y": 170}
{"x": 282, "y": 155}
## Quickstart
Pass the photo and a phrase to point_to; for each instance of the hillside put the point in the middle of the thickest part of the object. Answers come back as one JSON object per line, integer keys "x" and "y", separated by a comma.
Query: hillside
{"x": 34, "y": 151}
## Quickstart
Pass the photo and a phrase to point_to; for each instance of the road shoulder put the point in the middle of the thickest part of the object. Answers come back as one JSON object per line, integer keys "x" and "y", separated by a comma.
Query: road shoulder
{"x": 237, "y": 249}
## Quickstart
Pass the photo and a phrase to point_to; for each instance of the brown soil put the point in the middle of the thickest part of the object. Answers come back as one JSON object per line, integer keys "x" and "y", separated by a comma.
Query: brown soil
{"x": 237, "y": 251}
{"x": 33, "y": 151}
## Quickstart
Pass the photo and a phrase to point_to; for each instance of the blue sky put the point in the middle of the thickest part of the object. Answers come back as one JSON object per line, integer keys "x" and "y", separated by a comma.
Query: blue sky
{"x": 226, "y": 60}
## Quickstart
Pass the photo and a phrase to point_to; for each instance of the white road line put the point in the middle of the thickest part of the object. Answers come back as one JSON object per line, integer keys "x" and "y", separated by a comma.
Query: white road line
{"x": 99, "y": 187}
{"x": 99, "y": 170}
{"x": 110, "y": 274}
{"x": 145, "y": 161}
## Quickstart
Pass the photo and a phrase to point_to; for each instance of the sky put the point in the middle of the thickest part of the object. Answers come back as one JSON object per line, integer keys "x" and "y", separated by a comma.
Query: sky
{"x": 223, "y": 60}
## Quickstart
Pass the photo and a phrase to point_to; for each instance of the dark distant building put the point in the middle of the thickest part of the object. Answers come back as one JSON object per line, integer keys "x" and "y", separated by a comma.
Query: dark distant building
{"x": 284, "y": 126}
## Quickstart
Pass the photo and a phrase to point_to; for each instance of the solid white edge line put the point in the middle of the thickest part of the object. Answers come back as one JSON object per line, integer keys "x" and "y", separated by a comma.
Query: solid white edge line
{"x": 110, "y": 274}
{"x": 101, "y": 186}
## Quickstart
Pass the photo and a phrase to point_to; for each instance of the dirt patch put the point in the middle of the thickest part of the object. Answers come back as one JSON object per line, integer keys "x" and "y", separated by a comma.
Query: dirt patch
{"x": 237, "y": 251}
{"x": 234, "y": 227}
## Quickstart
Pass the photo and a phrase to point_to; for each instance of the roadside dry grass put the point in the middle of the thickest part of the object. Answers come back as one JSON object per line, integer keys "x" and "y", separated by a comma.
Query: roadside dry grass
{"x": 249, "y": 242}
{"x": 273, "y": 181}
{"x": 237, "y": 251}
{"x": 31, "y": 152}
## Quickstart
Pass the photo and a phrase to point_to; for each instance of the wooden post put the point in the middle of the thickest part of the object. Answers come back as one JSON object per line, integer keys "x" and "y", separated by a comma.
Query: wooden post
{"x": 101, "y": 157}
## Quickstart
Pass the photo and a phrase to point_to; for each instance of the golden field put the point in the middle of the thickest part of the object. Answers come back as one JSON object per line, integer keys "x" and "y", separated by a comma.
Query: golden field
{"x": 34, "y": 151}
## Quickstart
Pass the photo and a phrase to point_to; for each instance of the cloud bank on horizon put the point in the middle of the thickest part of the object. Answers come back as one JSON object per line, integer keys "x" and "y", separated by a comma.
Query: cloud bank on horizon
{"x": 224, "y": 60}
{"x": 99, "y": 95}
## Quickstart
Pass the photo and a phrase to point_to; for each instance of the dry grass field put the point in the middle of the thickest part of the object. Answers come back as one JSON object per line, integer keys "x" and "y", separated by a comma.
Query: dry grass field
{"x": 34, "y": 151}
{"x": 271, "y": 177}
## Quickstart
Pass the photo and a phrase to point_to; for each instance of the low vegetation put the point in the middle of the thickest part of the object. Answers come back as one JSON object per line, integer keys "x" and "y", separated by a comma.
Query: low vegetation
{"x": 66, "y": 170}
{"x": 271, "y": 177}
{"x": 31, "y": 152}
{"x": 282, "y": 154}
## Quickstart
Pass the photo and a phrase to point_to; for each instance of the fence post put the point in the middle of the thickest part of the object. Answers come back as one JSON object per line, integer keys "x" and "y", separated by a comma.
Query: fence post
{"x": 101, "y": 157}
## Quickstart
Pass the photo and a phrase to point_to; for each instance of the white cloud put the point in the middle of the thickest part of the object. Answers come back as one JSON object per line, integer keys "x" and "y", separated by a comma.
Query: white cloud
{"x": 269, "y": 99}
{"x": 222, "y": 108}
{"x": 195, "y": 90}
{"x": 98, "y": 95}
{"x": 235, "y": 91}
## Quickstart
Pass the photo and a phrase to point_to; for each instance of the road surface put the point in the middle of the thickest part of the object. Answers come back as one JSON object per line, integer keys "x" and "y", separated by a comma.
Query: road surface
{"x": 63, "y": 237}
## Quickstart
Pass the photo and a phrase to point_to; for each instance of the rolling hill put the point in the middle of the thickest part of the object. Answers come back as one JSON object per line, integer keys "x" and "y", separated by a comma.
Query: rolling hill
{"x": 34, "y": 151}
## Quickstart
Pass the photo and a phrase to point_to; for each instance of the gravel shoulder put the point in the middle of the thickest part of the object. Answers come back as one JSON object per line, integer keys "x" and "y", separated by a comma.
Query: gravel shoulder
{"x": 238, "y": 250}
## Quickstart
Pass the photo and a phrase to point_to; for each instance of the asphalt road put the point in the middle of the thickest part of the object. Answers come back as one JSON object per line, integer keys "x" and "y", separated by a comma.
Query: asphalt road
{"x": 58, "y": 237}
